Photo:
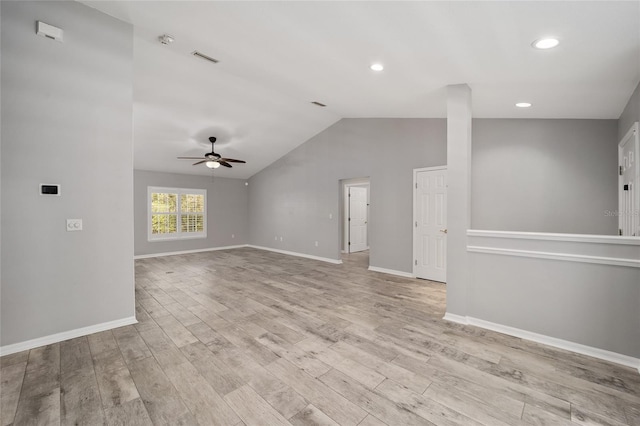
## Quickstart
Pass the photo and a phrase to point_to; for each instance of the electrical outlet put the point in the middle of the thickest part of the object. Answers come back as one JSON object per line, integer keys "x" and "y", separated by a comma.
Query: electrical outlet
{"x": 280, "y": 238}
{"x": 233, "y": 236}
{"x": 316, "y": 244}
{"x": 275, "y": 238}
{"x": 74, "y": 225}
{"x": 330, "y": 215}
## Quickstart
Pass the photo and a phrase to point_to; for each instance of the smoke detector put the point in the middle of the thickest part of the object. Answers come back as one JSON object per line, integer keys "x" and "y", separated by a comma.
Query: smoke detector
{"x": 165, "y": 39}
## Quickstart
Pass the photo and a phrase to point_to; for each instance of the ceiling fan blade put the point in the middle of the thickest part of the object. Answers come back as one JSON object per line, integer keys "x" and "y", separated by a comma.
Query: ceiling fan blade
{"x": 213, "y": 157}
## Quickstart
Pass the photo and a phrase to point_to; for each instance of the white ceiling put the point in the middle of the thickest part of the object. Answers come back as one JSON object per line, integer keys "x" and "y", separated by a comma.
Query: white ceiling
{"x": 277, "y": 57}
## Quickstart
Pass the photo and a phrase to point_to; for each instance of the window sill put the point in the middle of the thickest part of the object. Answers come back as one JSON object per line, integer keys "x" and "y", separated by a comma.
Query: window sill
{"x": 191, "y": 237}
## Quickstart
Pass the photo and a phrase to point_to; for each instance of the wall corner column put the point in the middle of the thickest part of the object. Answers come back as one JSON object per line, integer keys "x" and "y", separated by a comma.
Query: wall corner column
{"x": 458, "y": 197}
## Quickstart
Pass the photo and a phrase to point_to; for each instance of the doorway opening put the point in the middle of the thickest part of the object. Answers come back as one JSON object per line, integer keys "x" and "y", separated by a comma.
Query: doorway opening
{"x": 354, "y": 222}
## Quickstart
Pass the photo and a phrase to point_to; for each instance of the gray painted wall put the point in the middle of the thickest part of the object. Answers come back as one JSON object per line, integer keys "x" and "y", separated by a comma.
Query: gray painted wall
{"x": 630, "y": 115}
{"x": 227, "y": 211}
{"x": 544, "y": 175}
{"x": 528, "y": 175}
{"x": 66, "y": 119}
{"x": 293, "y": 197}
{"x": 594, "y": 305}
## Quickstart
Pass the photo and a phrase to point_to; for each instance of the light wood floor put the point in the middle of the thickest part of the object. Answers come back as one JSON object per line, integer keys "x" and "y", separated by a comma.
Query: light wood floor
{"x": 257, "y": 338}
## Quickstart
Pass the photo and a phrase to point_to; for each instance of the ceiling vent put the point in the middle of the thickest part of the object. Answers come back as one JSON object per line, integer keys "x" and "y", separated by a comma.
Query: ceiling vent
{"x": 203, "y": 56}
{"x": 320, "y": 104}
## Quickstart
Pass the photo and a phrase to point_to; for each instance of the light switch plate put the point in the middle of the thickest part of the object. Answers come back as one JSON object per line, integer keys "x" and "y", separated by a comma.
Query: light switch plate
{"x": 74, "y": 225}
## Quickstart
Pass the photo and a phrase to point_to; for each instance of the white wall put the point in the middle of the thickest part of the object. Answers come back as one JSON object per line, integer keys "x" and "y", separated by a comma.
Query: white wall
{"x": 227, "y": 211}
{"x": 66, "y": 119}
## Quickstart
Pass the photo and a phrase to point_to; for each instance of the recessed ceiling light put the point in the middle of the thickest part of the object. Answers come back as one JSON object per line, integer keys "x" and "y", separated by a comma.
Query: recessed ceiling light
{"x": 377, "y": 67}
{"x": 546, "y": 43}
{"x": 523, "y": 104}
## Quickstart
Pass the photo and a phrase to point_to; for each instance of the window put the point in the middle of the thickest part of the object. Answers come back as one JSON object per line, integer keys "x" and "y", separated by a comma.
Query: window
{"x": 177, "y": 213}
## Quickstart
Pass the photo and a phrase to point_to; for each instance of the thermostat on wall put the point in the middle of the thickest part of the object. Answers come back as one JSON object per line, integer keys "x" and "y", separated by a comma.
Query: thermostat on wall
{"x": 49, "y": 189}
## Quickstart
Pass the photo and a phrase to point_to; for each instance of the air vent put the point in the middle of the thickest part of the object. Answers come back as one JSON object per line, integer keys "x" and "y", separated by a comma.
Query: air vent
{"x": 318, "y": 104}
{"x": 203, "y": 56}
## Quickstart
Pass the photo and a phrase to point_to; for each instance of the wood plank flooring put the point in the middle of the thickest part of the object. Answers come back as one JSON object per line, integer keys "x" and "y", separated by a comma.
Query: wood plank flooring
{"x": 249, "y": 337}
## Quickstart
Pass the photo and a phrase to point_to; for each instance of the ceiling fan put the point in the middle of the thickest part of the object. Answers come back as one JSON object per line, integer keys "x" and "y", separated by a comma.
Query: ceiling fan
{"x": 211, "y": 159}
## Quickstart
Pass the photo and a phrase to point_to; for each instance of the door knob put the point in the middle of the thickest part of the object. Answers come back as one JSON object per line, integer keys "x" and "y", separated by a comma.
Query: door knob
{"x": 443, "y": 230}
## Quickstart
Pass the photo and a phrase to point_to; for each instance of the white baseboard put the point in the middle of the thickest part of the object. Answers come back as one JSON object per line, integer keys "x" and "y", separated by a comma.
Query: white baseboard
{"x": 391, "y": 272}
{"x": 455, "y": 318}
{"x": 290, "y": 253}
{"x": 293, "y": 253}
{"x": 603, "y": 354}
{"x": 65, "y": 335}
{"x": 173, "y": 253}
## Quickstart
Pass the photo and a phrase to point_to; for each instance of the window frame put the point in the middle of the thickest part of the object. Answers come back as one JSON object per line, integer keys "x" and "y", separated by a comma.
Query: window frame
{"x": 179, "y": 234}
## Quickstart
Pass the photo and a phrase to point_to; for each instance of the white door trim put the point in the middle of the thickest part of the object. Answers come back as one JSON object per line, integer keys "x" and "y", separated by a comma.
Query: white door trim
{"x": 346, "y": 183}
{"x": 358, "y": 218}
{"x": 415, "y": 209}
{"x": 631, "y": 137}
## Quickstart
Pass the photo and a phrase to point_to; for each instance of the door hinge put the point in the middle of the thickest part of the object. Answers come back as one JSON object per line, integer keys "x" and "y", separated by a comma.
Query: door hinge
{"x": 416, "y": 185}
{"x": 619, "y": 231}
{"x": 415, "y": 262}
{"x": 349, "y": 219}
{"x": 416, "y": 223}
{"x": 620, "y": 170}
{"x": 349, "y": 243}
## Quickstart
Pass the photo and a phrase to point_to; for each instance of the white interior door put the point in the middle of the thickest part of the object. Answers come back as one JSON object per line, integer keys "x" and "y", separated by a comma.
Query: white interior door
{"x": 430, "y": 224}
{"x": 357, "y": 219}
{"x": 629, "y": 190}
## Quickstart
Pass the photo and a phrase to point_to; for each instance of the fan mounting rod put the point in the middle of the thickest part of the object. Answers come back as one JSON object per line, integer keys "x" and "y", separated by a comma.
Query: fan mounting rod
{"x": 212, "y": 139}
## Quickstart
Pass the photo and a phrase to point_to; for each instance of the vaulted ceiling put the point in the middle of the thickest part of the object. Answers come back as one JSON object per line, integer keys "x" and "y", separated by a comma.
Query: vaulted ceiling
{"x": 275, "y": 58}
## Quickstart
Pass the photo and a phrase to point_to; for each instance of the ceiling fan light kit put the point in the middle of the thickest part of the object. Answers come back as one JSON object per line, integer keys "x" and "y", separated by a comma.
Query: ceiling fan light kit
{"x": 212, "y": 159}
